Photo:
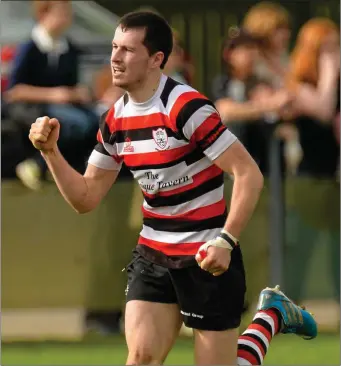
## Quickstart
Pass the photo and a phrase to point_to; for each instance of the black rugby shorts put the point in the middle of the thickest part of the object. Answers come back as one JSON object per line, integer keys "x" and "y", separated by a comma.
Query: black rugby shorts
{"x": 206, "y": 302}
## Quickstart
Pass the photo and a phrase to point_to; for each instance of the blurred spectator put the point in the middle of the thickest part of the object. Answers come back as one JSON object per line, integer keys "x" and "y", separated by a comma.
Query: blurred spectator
{"x": 188, "y": 68}
{"x": 247, "y": 104}
{"x": 105, "y": 93}
{"x": 44, "y": 81}
{"x": 175, "y": 66}
{"x": 270, "y": 23}
{"x": 7, "y": 54}
{"x": 314, "y": 78}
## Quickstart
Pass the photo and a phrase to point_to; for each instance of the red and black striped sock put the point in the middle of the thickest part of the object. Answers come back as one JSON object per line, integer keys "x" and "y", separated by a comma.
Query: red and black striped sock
{"x": 254, "y": 342}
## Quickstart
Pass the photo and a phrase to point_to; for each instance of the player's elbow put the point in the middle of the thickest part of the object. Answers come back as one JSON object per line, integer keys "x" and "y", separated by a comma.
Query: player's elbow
{"x": 254, "y": 177}
{"x": 84, "y": 207}
{"x": 249, "y": 178}
{"x": 82, "y": 210}
{"x": 259, "y": 179}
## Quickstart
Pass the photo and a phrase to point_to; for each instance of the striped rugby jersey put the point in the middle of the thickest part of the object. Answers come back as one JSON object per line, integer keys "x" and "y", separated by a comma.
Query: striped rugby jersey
{"x": 169, "y": 143}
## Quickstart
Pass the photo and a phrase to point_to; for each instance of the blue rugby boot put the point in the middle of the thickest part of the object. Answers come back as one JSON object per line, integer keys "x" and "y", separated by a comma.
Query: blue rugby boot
{"x": 295, "y": 319}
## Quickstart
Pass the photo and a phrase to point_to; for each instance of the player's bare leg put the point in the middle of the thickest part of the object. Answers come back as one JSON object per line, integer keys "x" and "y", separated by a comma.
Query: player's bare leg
{"x": 151, "y": 329}
{"x": 216, "y": 347}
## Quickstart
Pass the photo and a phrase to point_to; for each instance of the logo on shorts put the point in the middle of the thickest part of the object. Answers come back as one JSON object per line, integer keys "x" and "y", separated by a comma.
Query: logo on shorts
{"x": 161, "y": 138}
{"x": 193, "y": 315}
{"x": 127, "y": 145}
{"x": 126, "y": 290}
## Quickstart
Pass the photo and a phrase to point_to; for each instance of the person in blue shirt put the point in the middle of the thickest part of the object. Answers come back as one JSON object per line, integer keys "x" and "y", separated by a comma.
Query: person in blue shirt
{"x": 45, "y": 75}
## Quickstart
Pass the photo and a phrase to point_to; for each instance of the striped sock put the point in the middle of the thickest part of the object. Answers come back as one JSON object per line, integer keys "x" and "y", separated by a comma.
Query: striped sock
{"x": 254, "y": 342}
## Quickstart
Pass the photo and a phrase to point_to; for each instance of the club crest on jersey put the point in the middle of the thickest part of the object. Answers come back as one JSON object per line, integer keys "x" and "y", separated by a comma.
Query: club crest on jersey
{"x": 160, "y": 137}
{"x": 127, "y": 145}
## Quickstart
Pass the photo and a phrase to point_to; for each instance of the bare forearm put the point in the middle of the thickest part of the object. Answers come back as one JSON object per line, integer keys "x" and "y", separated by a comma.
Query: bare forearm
{"x": 319, "y": 102}
{"x": 245, "y": 195}
{"x": 327, "y": 96}
{"x": 72, "y": 185}
{"x": 231, "y": 111}
{"x": 29, "y": 93}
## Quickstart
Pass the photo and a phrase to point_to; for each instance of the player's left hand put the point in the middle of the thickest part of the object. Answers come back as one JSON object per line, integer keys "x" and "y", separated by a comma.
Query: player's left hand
{"x": 215, "y": 260}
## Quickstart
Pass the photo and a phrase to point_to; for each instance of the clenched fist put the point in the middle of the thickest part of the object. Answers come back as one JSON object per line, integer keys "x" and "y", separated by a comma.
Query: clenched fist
{"x": 44, "y": 133}
{"x": 216, "y": 260}
{"x": 215, "y": 255}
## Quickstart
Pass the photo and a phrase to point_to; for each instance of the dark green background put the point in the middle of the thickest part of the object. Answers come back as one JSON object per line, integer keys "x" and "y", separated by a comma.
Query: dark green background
{"x": 203, "y": 24}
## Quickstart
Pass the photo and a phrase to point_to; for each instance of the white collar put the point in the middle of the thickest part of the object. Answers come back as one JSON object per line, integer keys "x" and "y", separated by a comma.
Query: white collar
{"x": 46, "y": 43}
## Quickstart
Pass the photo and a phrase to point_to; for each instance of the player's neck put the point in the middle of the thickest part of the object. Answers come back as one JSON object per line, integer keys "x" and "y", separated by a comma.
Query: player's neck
{"x": 146, "y": 89}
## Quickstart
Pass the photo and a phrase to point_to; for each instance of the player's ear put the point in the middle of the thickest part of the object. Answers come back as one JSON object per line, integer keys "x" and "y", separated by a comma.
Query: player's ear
{"x": 157, "y": 59}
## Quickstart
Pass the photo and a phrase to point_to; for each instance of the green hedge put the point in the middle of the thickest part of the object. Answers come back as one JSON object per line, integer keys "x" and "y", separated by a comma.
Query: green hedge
{"x": 52, "y": 257}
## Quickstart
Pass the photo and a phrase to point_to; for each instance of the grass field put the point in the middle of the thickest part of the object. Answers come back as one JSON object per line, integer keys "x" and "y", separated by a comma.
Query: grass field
{"x": 284, "y": 350}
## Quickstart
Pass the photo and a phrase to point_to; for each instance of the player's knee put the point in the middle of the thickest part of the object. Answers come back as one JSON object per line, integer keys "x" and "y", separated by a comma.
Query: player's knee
{"x": 142, "y": 356}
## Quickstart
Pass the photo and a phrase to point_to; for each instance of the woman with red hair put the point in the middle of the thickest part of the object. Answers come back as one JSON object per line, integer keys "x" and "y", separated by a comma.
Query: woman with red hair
{"x": 313, "y": 199}
{"x": 314, "y": 78}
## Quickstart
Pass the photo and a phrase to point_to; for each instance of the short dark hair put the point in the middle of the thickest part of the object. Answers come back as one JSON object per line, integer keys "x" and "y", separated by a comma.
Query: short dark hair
{"x": 158, "y": 37}
{"x": 239, "y": 37}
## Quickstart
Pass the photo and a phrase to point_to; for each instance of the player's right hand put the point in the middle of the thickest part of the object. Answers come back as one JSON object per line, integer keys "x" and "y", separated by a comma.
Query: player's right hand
{"x": 44, "y": 133}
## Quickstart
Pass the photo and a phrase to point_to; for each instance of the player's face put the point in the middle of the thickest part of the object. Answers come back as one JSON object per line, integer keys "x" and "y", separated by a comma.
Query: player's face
{"x": 130, "y": 60}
